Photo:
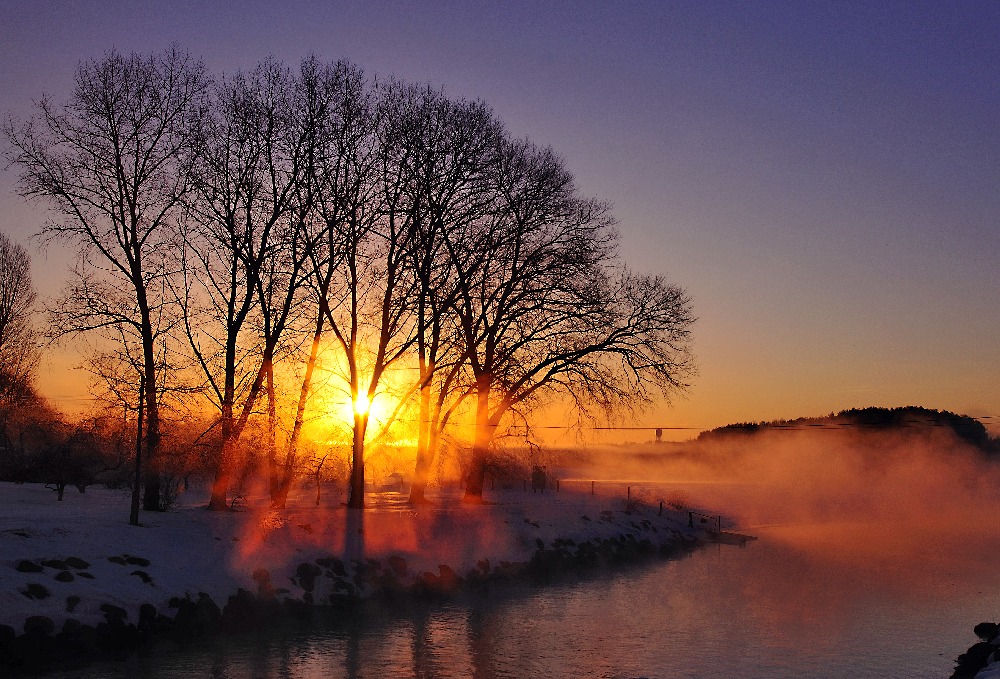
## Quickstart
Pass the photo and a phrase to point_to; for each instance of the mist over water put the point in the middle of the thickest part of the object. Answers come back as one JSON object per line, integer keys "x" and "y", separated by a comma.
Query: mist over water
{"x": 875, "y": 558}
{"x": 910, "y": 511}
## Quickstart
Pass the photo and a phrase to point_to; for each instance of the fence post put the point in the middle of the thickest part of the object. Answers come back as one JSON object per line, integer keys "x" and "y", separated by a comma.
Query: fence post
{"x": 557, "y": 485}
{"x": 591, "y": 487}
{"x": 661, "y": 507}
{"x": 628, "y": 493}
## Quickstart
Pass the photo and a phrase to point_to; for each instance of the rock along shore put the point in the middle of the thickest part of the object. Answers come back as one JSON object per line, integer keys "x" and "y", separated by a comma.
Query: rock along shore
{"x": 77, "y": 582}
{"x": 982, "y": 660}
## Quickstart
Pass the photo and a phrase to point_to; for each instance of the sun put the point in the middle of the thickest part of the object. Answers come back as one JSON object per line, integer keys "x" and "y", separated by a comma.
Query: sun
{"x": 362, "y": 404}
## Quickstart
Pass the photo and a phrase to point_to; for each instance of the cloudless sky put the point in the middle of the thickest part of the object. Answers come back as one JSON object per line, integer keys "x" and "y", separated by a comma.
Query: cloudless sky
{"x": 822, "y": 177}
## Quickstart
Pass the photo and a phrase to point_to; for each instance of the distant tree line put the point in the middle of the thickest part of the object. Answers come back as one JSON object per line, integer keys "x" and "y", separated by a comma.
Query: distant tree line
{"x": 230, "y": 227}
{"x": 965, "y": 428}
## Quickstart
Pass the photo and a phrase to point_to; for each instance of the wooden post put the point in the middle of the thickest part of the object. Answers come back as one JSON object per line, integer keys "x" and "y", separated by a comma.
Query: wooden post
{"x": 133, "y": 517}
{"x": 661, "y": 507}
{"x": 591, "y": 487}
{"x": 557, "y": 485}
{"x": 629, "y": 493}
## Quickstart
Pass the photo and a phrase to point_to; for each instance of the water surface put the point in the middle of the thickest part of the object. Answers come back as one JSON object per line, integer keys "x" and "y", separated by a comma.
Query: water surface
{"x": 803, "y": 601}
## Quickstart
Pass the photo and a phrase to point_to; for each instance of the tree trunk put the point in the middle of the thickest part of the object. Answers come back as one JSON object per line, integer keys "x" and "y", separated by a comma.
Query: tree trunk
{"x": 151, "y": 475}
{"x": 481, "y": 446}
{"x": 281, "y": 497}
{"x": 223, "y": 477}
{"x": 357, "y": 499}
{"x": 229, "y": 430}
{"x": 220, "y": 487}
{"x": 425, "y": 453}
{"x": 272, "y": 424}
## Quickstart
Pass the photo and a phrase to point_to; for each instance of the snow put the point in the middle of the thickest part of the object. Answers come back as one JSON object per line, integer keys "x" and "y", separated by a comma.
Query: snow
{"x": 992, "y": 669}
{"x": 191, "y": 550}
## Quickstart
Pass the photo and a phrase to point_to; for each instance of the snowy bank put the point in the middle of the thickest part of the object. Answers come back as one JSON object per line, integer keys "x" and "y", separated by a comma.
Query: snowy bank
{"x": 77, "y": 573}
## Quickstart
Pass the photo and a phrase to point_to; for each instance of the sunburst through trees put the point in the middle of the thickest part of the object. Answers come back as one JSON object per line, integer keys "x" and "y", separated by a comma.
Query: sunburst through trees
{"x": 334, "y": 261}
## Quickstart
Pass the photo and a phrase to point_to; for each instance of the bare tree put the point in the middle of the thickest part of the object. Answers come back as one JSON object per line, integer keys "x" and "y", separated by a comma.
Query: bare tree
{"x": 18, "y": 338}
{"x": 113, "y": 164}
{"x": 450, "y": 147}
{"x": 244, "y": 221}
{"x": 541, "y": 309}
{"x": 362, "y": 202}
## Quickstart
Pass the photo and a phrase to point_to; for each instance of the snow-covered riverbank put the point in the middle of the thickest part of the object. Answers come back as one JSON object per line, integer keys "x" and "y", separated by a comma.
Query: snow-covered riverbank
{"x": 75, "y": 570}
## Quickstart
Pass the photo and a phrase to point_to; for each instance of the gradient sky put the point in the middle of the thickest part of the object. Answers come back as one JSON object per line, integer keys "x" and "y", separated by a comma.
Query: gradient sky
{"x": 821, "y": 176}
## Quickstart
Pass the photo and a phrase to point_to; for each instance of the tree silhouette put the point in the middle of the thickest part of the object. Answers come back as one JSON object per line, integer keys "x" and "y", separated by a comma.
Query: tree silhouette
{"x": 542, "y": 308}
{"x": 19, "y": 352}
{"x": 114, "y": 163}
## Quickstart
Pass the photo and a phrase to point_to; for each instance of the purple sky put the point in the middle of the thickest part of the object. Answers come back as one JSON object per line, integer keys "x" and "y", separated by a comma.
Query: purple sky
{"x": 822, "y": 176}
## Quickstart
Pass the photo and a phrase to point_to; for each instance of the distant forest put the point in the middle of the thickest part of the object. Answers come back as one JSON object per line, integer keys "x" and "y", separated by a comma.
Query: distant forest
{"x": 966, "y": 428}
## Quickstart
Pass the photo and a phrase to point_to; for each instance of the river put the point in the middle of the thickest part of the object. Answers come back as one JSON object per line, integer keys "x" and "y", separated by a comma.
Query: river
{"x": 779, "y": 607}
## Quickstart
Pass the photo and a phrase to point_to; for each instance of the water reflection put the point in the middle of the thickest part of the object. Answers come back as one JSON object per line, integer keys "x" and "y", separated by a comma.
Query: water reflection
{"x": 774, "y": 609}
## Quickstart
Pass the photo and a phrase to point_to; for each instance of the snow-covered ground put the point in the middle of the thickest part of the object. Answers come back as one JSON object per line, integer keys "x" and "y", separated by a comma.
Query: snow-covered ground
{"x": 64, "y": 560}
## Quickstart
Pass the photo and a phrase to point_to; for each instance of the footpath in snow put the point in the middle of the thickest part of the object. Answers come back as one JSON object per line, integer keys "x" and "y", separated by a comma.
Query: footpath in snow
{"x": 75, "y": 578}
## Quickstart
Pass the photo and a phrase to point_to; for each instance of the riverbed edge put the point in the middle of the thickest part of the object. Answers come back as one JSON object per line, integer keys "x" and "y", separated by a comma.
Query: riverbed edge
{"x": 327, "y": 584}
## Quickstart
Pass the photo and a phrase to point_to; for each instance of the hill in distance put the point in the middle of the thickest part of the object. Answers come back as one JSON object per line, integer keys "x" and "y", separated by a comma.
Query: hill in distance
{"x": 964, "y": 427}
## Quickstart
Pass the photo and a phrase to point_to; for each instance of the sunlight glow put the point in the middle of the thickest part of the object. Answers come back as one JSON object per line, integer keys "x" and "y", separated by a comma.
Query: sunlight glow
{"x": 362, "y": 404}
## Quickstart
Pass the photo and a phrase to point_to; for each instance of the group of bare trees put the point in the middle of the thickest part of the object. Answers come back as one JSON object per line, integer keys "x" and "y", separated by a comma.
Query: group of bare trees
{"x": 18, "y": 344}
{"x": 229, "y": 225}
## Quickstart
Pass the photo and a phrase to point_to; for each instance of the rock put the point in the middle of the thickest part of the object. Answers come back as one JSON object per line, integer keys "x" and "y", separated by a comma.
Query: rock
{"x": 196, "y": 619}
{"x": 244, "y": 611}
{"x": 136, "y": 561}
{"x": 64, "y": 576}
{"x": 398, "y": 565}
{"x": 986, "y": 631}
{"x": 77, "y": 563}
{"x": 71, "y": 603}
{"x": 449, "y": 578}
{"x": 366, "y": 573}
{"x": 57, "y": 564}
{"x": 117, "y": 559}
{"x": 334, "y": 564}
{"x": 89, "y": 576}
{"x": 147, "y": 618}
{"x": 39, "y": 625}
{"x": 144, "y": 576}
{"x": 265, "y": 589}
{"x": 117, "y": 636}
{"x": 114, "y": 614}
{"x": 36, "y": 591}
{"x": 306, "y": 575}
{"x": 78, "y": 639}
{"x": 973, "y": 660}
{"x": 163, "y": 624}
{"x": 28, "y": 567}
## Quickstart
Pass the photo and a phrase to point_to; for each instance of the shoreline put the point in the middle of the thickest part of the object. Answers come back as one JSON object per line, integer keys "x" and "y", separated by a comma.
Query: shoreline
{"x": 982, "y": 659}
{"x": 77, "y": 582}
